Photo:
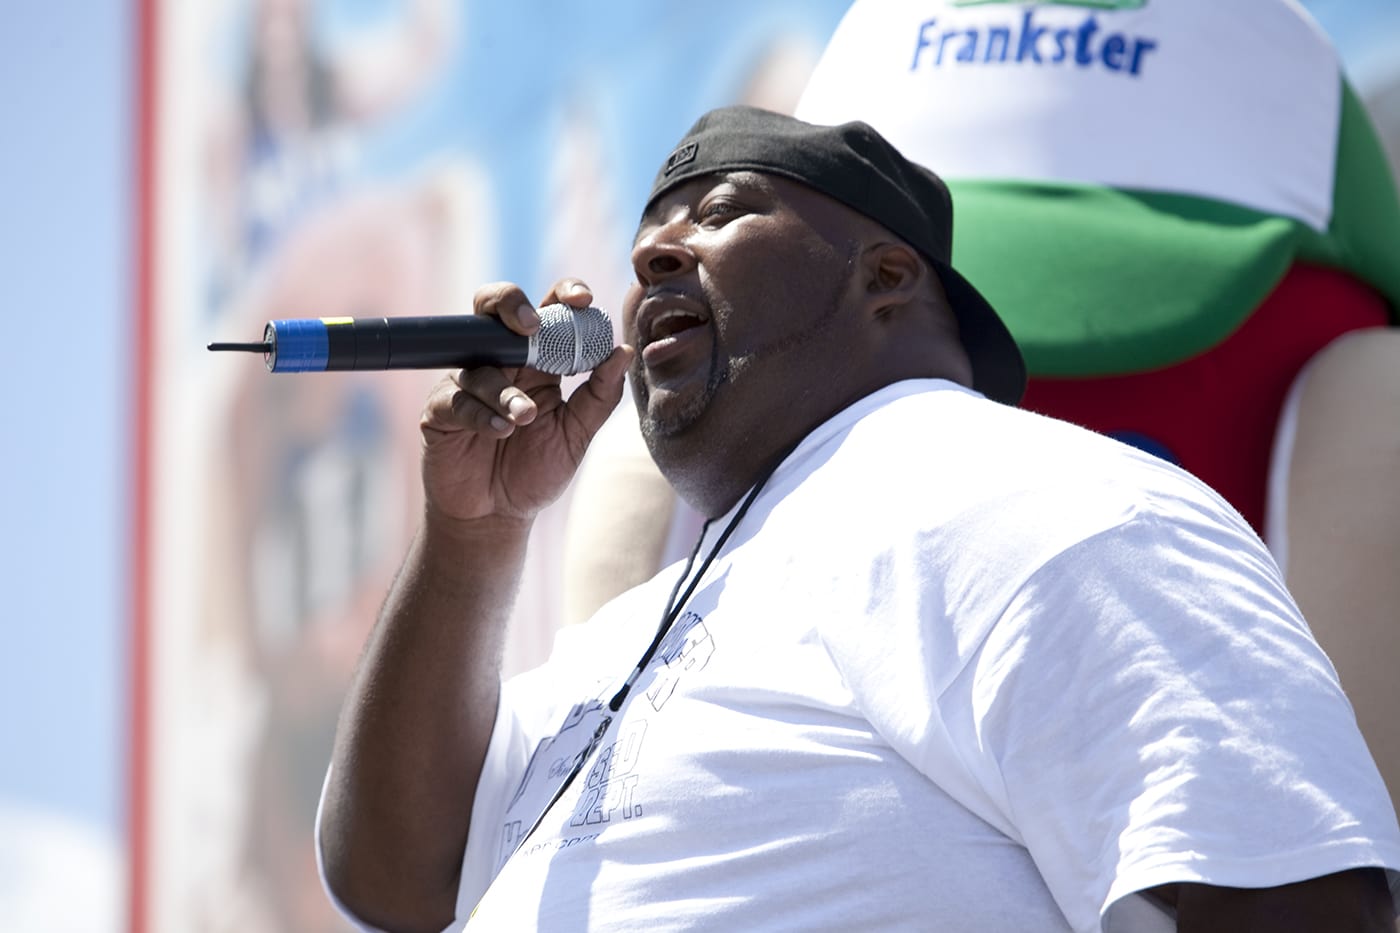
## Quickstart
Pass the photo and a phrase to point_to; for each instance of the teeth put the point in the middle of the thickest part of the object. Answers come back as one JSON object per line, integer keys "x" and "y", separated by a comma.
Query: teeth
{"x": 659, "y": 325}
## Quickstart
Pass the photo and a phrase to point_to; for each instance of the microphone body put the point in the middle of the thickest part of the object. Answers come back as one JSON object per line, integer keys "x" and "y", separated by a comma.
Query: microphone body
{"x": 567, "y": 342}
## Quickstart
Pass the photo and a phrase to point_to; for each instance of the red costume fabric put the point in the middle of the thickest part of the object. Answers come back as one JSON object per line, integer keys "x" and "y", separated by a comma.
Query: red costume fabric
{"x": 1216, "y": 414}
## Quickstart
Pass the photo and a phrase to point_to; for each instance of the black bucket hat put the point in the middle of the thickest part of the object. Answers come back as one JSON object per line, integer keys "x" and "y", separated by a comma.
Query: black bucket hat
{"x": 858, "y": 167}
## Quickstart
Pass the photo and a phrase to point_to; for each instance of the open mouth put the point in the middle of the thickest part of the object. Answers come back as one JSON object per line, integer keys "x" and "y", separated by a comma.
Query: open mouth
{"x": 671, "y": 328}
{"x": 671, "y": 322}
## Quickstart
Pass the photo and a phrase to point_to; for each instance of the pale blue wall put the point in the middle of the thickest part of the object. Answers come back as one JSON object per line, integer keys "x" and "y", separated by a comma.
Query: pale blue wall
{"x": 65, "y": 229}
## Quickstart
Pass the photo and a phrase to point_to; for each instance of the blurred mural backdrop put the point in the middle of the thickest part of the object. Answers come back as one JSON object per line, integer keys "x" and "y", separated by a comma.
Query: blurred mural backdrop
{"x": 322, "y": 158}
{"x": 296, "y": 158}
{"x": 308, "y": 158}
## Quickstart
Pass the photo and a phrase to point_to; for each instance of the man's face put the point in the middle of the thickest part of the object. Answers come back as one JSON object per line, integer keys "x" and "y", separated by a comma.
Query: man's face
{"x": 736, "y": 308}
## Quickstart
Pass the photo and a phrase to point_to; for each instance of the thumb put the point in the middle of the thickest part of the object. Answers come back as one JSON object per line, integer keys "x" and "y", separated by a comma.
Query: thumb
{"x": 592, "y": 402}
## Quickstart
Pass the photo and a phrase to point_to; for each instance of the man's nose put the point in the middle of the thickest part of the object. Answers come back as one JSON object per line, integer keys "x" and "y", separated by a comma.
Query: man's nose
{"x": 661, "y": 253}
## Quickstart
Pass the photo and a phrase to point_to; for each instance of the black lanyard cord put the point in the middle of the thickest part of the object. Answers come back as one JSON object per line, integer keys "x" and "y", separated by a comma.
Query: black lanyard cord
{"x": 674, "y": 605}
{"x": 673, "y": 611}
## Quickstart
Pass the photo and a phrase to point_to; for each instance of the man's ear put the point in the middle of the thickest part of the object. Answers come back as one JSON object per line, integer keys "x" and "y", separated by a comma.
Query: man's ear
{"x": 894, "y": 276}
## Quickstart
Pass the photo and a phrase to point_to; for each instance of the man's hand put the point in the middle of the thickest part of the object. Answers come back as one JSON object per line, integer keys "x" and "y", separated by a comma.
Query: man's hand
{"x": 502, "y": 443}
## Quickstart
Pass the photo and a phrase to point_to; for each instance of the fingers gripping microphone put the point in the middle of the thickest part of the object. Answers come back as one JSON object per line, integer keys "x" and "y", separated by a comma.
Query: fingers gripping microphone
{"x": 569, "y": 341}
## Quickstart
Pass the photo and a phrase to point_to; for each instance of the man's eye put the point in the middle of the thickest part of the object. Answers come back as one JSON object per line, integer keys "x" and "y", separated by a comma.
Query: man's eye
{"x": 718, "y": 208}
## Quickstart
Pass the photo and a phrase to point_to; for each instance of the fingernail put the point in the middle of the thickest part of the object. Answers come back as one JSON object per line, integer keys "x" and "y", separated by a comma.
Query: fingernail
{"x": 527, "y": 315}
{"x": 518, "y": 405}
{"x": 499, "y": 423}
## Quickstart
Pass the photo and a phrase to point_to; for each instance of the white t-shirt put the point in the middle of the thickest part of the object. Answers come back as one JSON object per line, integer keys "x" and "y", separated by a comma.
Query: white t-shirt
{"x": 961, "y": 667}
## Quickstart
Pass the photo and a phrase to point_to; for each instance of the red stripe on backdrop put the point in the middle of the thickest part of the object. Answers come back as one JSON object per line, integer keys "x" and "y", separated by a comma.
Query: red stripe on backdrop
{"x": 145, "y": 49}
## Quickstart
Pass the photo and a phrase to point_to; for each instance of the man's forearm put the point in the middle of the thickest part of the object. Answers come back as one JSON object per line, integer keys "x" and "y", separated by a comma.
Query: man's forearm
{"x": 415, "y": 728}
{"x": 1356, "y": 901}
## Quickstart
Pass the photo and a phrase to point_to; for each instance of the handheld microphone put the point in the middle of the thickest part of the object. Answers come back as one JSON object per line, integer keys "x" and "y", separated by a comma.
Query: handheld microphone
{"x": 569, "y": 341}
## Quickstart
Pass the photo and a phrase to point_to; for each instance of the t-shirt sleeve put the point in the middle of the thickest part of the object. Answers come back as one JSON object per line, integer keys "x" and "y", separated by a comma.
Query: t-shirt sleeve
{"x": 1152, "y": 708}
{"x": 1122, "y": 685}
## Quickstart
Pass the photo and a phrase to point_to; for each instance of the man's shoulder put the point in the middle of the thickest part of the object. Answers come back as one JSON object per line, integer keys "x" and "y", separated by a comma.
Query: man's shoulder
{"x": 945, "y": 438}
{"x": 936, "y": 459}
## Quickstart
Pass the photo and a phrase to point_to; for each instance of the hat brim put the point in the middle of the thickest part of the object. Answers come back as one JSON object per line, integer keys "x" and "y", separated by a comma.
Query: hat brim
{"x": 998, "y": 370}
{"x": 1096, "y": 281}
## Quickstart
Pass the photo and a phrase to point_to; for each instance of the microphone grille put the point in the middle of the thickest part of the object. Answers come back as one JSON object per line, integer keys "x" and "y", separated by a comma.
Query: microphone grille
{"x": 570, "y": 341}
